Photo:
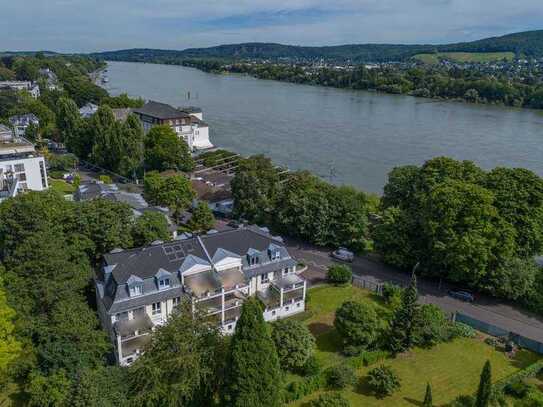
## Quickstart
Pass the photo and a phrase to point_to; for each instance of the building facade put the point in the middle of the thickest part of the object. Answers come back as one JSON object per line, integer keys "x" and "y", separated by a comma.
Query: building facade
{"x": 21, "y": 122}
{"x": 19, "y": 159}
{"x": 28, "y": 86}
{"x": 186, "y": 122}
{"x": 137, "y": 290}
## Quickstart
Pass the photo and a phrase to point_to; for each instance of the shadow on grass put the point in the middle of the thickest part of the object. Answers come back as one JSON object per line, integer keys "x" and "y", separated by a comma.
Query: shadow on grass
{"x": 319, "y": 328}
{"x": 329, "y": 341}
{"x": 363, "y": 387}
{"x": 413, "y": 401}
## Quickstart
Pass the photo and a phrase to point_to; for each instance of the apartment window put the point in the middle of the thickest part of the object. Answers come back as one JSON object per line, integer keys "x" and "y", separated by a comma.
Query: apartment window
{"x": 273, "y": 313}
{"x": 264, "y": 278}
{"x": 163, "y": 283}
{"x": 156, "y": 308}
{"x": 43, "y": 176}
{"x": 19, "y": 167}
{"x": 299, "y": 305}
{"x": 176, "y": 301}
{"x": 285, "y": 271}
{"x": 229, "y": 327}
{"x": 21, "y": 177}
{"x": 287, "y": 308}
{"x": 136, "y": 289}
{"x": 121, "y": 316}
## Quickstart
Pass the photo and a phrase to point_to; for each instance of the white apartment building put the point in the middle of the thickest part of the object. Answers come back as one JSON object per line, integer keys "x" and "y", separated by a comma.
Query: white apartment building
{"x": 28, "y": 86}
{"x": 137, "y": 290}
{"x": 186, "y": 122}
{"x": 19, "y": 159}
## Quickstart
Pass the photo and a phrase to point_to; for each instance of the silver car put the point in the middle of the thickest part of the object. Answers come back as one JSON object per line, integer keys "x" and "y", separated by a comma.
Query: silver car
{"x": 343, "y": 254}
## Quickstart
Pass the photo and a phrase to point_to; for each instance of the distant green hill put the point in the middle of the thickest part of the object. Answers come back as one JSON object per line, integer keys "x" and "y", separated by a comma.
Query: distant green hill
{"x": 529, "y": 43}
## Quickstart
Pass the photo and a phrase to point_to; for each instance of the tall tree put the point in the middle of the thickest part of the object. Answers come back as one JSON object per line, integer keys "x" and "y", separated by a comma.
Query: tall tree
{"x": 174, "y": 192}
{"x": 428, "y": 396}
{"x": 181, "y": 365}
{"x": 485, "y": 387}
{"x": 68, "y": 121}
{"x": 132, "y": 139}
{"x": 401, "y": 337}
{"x": 107, "y": 136}
{"x": 148, "y": 227}
{"x": 10, "y": 347}
{"x": 252, "y": 377}
{"x": 202, "y": 218}
{"x": 164, "y": 150}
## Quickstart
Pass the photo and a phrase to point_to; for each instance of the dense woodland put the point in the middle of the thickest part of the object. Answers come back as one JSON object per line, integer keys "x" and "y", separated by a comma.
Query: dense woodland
{"x": 528, "y": 43}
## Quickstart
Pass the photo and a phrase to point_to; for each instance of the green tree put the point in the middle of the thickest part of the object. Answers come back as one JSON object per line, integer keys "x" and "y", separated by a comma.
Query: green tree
{"x": 431, "y": 326}
{"x": 174, "y": 192}
{"x": 358, "y": 324}
{"x": 150, "y": 226}
{"x": 401, "y": 335}
{"x": 10, "y": 347}
{"x": 49, "y": 391}
{"x": 339, "y": 274}
{"x": 103, "y": 386}
{"x": 164, "y": 150}
{"x": 254, "y": 188}
{"x": 428, "y": 396}
{"x": 202, "y": 218}
{"x": 514, "y": 278}
{"x": 132, "y": 138}
{"x": 484, "y": 391}
{"x": 182, "y": 364}
{"x": 383, "y": 380}
{"x": 330, "y": 400}
{"x": 68, "y": 121}
{"x": 294, "y": 343}
{"x": 107, "y": 135}
{"x": 252, "y": 377}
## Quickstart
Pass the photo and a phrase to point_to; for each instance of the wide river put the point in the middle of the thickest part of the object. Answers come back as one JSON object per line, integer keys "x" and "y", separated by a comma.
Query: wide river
{"x": 347, "y": 137}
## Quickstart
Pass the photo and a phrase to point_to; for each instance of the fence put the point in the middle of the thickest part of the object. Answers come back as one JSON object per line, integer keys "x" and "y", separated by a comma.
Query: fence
{"x": 494, "y": 330}
{"x": 368, "y": 285}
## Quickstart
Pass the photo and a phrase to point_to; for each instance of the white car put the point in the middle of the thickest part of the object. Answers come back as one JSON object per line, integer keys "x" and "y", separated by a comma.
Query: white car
{"x": 343, "y": 254}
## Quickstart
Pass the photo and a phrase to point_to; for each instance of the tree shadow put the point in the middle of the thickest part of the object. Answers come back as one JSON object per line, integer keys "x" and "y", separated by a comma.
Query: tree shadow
{"x": 363, "y": 387}
{"x": 319, "y": 328}
{"x": 329, "y": 341}
{"x": 413, "y": 401}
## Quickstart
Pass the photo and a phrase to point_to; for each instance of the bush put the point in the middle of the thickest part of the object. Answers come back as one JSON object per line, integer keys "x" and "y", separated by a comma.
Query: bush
{"x": 311, "y": 367}
{"x": 358, "y": 324}
{"x": 432, "y": 326}
{"x": 391, "y": 293}
{"x": 340, "y": 376}
{"x": 352, "y": 350}
{"x": 330, "y": 400}
{"x": 491, "y": 341}
{"x": 517, "y": 389}
{"x": 64, "y": 162}
{"x": 106, "y": 179}
{"x": 383, "y": 381}
{"x": 368, "y": 358}
{"x": 297, "y": 390}
{"x": 294, "y": 343}
{"x": 463, "y": 401}
{"x": 339, "y": 274}
{"x": 461, "y": 330}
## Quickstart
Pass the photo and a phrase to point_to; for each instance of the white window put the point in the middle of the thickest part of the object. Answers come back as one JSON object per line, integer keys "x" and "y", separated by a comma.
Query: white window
{"x": 176, "y": 301}
{"x": 264, "y": 278}
{"x": 121, "y": 316}
{"x": 136, "y": 289}
{"x": 163, "y": 283}
{"x": 229, "y": 327}
{"x": 19, "y": 167}
{"x": 156, "y": 308}
{"x": 285, "y": 271}
{"x": 273, "y": 313}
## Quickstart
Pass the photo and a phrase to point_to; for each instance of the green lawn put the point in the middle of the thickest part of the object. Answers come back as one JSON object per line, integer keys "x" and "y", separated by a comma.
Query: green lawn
{"x": 452, "y": 368}
{"x": 465, "y": 57}
{"x": 61, "y": 186}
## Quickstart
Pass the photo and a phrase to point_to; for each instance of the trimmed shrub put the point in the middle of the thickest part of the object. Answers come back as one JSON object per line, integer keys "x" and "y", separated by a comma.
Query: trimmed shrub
{"x": 431, "y": 326}
{"x": 368, "y": 358}
{"x": 461, "y": 330}
{"x": 383, "y": 381}
{"x": 297, "y": 390}
{"x": 517, "y": 389}
{"x": 294, "y": 343}
{"x": 391, "y": 293}
{"x": 340, "y": 376}
{"x": 330, "y": 400}
{"x": 311, "y": 367}
{"x": 358, "y": 324}
{"x": 339, "y": 274}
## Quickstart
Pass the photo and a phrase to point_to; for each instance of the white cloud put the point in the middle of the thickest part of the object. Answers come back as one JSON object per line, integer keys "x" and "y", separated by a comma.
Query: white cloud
{"x": 83, "y": 25}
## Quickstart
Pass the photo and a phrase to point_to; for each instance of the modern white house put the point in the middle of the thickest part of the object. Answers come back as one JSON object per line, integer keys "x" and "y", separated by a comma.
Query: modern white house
{"x": 138, "y": 289}
{"x": 28, "y": 86}
{"x": 19, "y": 159}
{"x": 21, "y": 122}
{"x": 186, "y": 122}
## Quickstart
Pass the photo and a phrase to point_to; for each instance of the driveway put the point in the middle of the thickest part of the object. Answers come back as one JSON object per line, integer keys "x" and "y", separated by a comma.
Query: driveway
{"x": 490, "y": 310}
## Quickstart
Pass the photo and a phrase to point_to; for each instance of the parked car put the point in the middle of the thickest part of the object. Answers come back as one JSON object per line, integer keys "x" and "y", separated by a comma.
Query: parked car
{"x": 343, "y": 254}
{"x": 233, "y": 224}
{"x": 462, "y": 295}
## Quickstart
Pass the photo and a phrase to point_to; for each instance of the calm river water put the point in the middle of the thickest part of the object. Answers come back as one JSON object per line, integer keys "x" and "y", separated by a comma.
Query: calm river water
{"x": 348, "y": 137}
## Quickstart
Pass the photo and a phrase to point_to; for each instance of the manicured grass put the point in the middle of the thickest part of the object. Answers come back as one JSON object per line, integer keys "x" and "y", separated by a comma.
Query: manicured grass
{"x": 465, "y": 57}
{"x": 61, "y": 186}
{"x": 452, "y": 368}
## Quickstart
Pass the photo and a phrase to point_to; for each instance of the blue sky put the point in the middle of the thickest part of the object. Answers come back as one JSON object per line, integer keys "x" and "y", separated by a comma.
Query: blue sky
{"x": 94, "y": 25}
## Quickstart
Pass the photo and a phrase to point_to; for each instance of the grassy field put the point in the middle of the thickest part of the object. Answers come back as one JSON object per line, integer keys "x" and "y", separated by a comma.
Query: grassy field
{"x": 452, "y": 368}
{"x": 465, "y": 57}
{"x": 61, "y": 186}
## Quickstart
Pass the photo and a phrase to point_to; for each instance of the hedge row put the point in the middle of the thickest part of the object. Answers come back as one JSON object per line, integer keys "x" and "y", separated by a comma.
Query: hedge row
{"x": 368, "y": 358}
{"x": 529, "y": 371}
{"x": 297, "y": 390}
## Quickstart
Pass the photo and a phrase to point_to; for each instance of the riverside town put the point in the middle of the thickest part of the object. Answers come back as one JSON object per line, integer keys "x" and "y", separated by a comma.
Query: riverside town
{"x": 253, "y": 224}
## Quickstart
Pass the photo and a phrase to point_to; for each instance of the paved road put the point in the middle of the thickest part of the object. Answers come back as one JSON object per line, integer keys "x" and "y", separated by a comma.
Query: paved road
{"x": 486, "y": 309}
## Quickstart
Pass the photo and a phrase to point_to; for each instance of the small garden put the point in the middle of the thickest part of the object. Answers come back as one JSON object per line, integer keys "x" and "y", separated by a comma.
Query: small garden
{"x": 370, "y": 350}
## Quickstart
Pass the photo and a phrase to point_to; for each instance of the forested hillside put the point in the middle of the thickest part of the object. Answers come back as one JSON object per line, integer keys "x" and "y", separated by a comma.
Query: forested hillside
{"x": 529, "y": 43}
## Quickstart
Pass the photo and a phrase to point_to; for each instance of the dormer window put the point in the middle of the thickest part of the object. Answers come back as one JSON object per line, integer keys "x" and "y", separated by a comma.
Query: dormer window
{"x": 136, "y": 289}
{"x": 275, "y": 254}
{"x": 163, "y": 283}
{"x": 253, "y": 260}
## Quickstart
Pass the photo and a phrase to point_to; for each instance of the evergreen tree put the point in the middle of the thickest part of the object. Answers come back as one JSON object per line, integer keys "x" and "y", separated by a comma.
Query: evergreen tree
{"x": 68, "y": 119}
{"x": 485, "y": 387}
{"x": 428, "y": 396}
{"x": 252, "y": 371}
{"x": 401, "y": 336}
{"x": 132, "y": 158}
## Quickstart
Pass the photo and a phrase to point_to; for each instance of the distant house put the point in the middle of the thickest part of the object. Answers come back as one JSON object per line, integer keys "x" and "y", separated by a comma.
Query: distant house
{"x": 186, "y": 122}
{"x": 51, "y": 78}
{"x": 121, "y": 114}
{"x": 18, "y": 86}
{"x": 88, "y": 110}
{"x": 19, "y": 159}
{"x": 21, "y": 122}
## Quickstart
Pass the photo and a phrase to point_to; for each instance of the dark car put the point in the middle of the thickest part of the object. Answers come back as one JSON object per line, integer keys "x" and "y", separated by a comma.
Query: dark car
{"x": 462, "y": 295}
{"x": 233, "y": 224}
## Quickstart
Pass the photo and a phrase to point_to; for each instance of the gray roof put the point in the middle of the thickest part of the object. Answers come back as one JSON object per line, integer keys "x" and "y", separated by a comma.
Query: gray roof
{"x": 159, "y": 110}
